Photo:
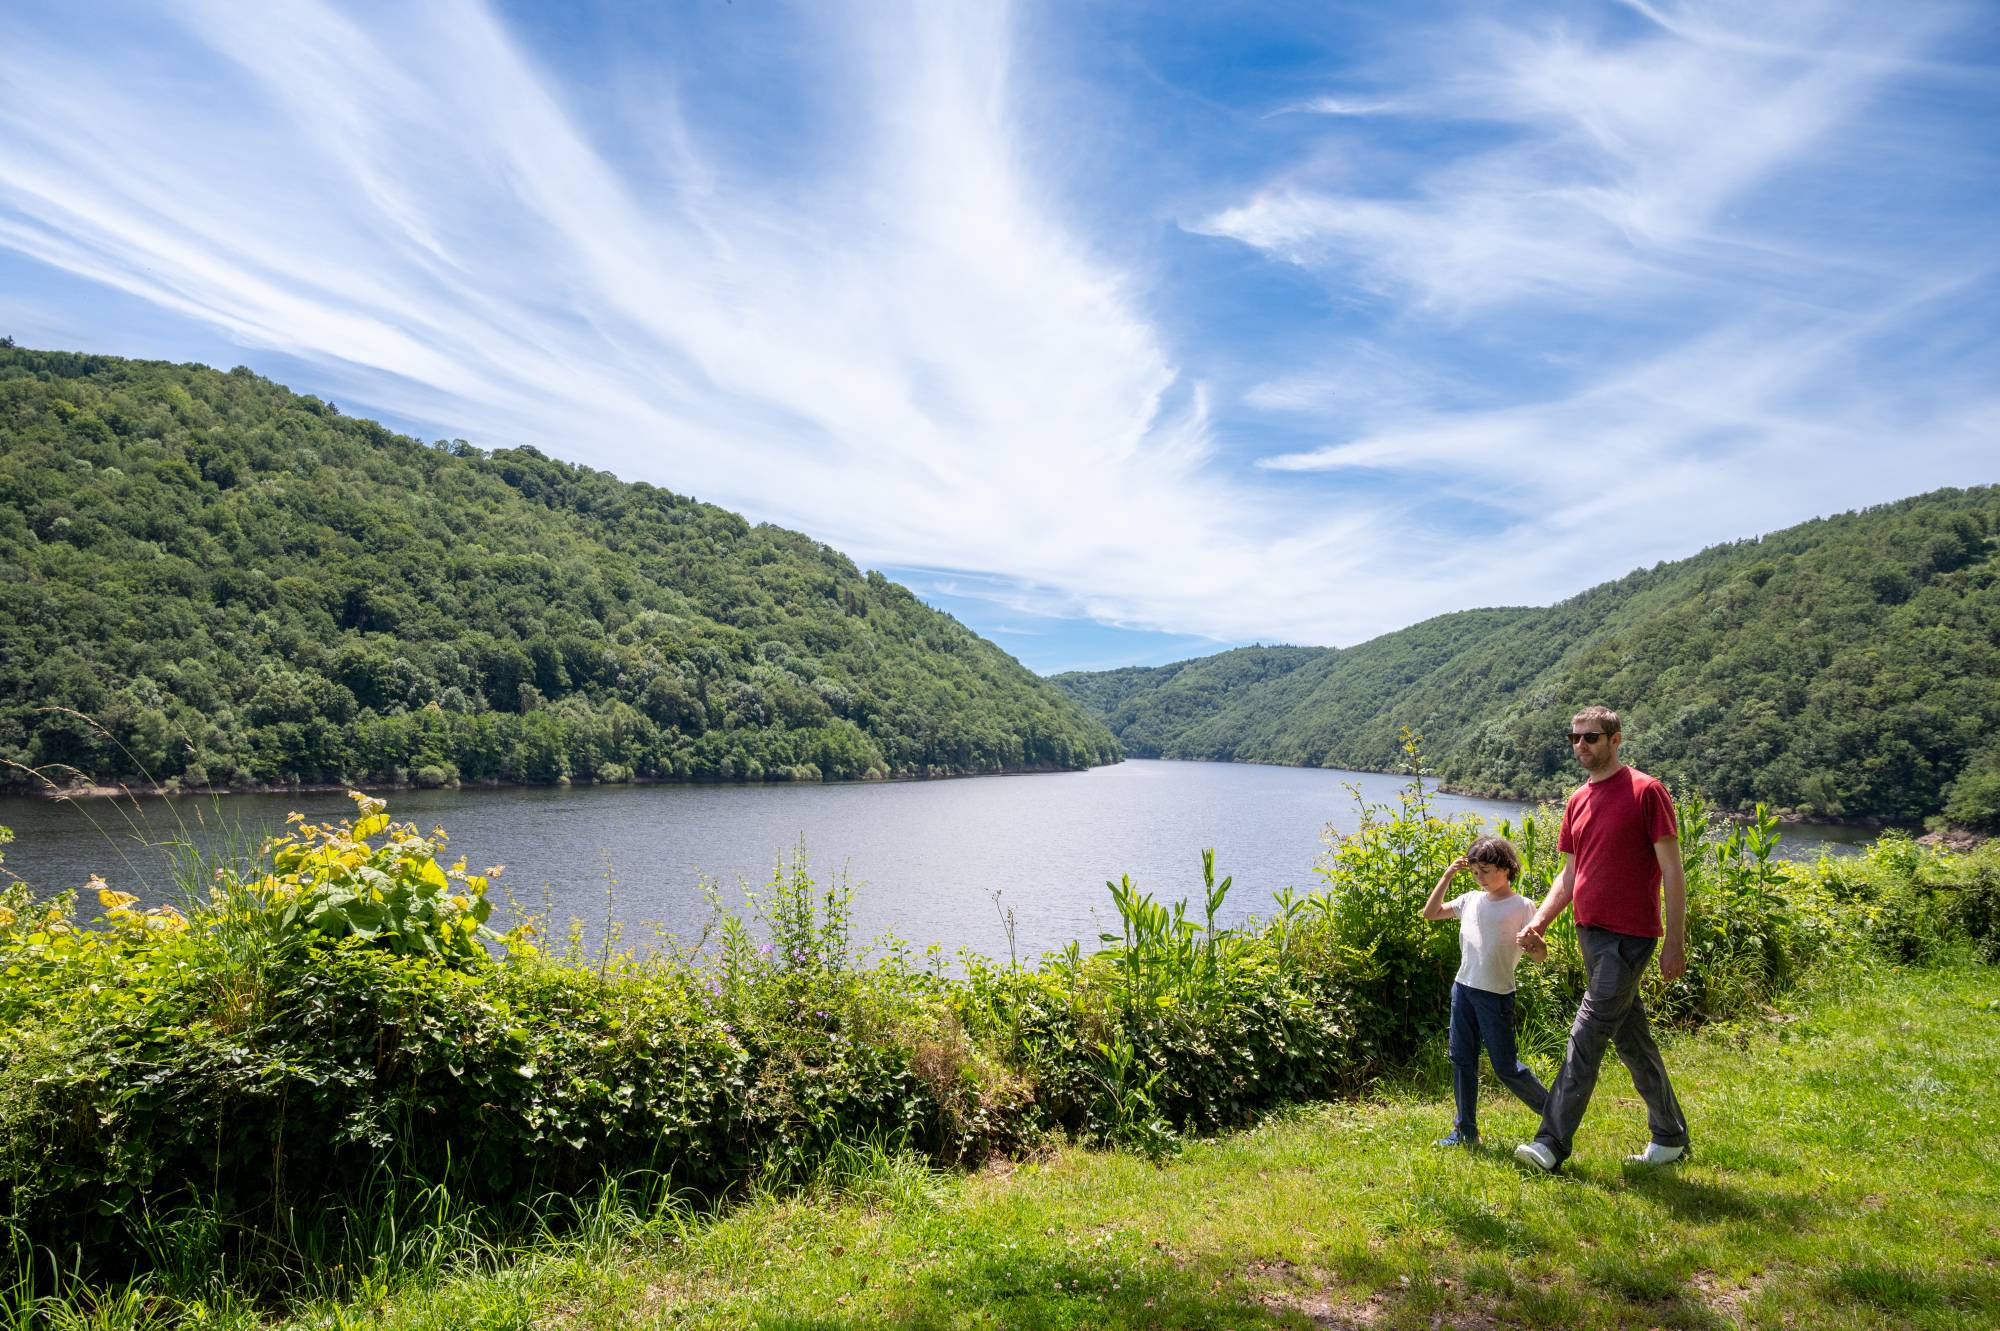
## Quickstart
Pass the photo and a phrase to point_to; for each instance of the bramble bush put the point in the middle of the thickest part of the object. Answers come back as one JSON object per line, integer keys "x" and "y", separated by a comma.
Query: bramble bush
{"x": 333, "y": 1029}
{"x": 250, "y": 1083}
{"x": 1174, "y": 1025}
{"x": 1911, "y": 903}
{"x": 1398, "y": 964}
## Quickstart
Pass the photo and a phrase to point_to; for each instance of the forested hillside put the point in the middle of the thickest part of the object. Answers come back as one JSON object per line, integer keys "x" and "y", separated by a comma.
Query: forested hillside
{"x": 1847, "y": 667}
{"x": 207, "y": 579}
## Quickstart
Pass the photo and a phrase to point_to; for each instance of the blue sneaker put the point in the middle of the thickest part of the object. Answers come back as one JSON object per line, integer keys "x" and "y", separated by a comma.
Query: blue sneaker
{"x": 1456, "y": 1138}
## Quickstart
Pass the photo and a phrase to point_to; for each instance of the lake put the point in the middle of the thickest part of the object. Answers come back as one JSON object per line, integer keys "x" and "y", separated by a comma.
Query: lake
{"x": 924, "y": 858}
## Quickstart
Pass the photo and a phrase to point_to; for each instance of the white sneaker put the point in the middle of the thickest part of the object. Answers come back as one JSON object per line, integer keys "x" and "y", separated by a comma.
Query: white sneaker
{"x": 1656, "y": 1154}
{"x": 1537, "y": 1157}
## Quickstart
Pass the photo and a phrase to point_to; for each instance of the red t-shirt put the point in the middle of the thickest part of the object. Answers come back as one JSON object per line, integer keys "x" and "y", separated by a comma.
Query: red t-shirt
{"x": 1609, "y": 828}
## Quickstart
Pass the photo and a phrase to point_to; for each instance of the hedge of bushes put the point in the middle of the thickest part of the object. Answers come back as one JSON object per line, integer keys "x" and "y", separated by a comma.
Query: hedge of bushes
{"x": 297, "y": 1044}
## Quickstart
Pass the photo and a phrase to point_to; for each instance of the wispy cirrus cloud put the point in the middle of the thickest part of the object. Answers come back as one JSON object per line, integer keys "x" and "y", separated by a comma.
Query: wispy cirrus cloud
{"x": 906, "y": 354}
{"x": 1618, "y": 160}
{"x": 829, "y": 266}
{"x": 1686, "y": 240}
{"x": 1351, "y": 106}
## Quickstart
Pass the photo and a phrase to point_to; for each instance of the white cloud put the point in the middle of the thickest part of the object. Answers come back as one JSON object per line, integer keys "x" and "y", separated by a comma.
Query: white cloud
{"x": 1624, "y": 158}
{"x": 1352, "y": 106}
{"x": 1707, "y": 363}
{"x": 902, "y": 344}
{"x": 1734, "y": 433}
{"x": 909, "y": 357}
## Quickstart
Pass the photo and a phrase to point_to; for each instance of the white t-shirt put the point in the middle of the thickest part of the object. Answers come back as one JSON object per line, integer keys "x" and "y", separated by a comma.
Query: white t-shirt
{"x": 1487, "y": 952}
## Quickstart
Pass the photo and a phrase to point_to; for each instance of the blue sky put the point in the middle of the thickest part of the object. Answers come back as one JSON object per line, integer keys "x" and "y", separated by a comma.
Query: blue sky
{"x": 1123, "y": 331}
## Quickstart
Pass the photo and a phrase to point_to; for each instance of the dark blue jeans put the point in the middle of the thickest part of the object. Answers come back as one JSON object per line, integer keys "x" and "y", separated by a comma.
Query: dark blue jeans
{"x": 1482, "y": 1018}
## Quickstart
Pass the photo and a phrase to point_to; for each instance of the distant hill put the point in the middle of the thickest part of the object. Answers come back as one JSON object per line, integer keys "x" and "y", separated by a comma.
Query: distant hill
{"x": 1847, "y": 667}
{"x": 231, "y": 584}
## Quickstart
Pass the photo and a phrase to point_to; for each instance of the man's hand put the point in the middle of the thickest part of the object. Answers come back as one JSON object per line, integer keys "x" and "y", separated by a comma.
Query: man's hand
{"x": 1531, "y": 940}
{"x": 1673, "y": 959}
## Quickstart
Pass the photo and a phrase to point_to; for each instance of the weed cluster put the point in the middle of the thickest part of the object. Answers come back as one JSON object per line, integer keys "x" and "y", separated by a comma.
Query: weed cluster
{"x": 1914, "y": 904}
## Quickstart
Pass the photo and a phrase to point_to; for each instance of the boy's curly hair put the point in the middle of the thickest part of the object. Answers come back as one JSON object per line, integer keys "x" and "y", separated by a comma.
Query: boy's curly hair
{"x": 1496, "y": 850}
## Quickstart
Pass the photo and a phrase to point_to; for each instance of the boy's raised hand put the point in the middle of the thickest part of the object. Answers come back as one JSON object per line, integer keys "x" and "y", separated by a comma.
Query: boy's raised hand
{"x": 1434, "y": 907}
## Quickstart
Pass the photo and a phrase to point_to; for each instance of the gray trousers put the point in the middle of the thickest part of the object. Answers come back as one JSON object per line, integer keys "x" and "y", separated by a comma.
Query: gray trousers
{"x": 1611, "y": 1014}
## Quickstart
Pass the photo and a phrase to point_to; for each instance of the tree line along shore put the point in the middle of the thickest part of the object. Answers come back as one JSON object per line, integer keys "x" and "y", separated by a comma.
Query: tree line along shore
{"x": 1847, "y": 668}
{"x": 209, "y": 582}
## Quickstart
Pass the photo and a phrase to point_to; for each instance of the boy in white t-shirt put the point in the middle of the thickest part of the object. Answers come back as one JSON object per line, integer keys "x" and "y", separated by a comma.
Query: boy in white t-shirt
{"x": 1482, "y": 997}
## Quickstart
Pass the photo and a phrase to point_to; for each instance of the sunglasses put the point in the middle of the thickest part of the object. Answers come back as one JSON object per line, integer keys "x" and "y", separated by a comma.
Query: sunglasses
{"x": 1586, "y": 736}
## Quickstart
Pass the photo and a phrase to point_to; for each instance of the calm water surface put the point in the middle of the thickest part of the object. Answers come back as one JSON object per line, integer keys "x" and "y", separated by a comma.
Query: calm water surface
{"x": 924, "y": 857}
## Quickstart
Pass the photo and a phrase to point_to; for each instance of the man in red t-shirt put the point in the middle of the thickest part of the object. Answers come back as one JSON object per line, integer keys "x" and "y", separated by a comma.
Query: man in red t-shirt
{"x": 1620, "y": 845}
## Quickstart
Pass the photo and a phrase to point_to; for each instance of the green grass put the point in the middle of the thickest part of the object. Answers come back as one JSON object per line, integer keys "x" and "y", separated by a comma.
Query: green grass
{"x": 1846, "y": 1174}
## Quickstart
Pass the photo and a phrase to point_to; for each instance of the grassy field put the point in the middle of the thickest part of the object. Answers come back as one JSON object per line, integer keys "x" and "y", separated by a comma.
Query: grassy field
{"x": 1846, "y": 1174}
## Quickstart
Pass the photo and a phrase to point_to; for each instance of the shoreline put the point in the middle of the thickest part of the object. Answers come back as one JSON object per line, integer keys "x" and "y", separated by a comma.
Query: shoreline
{"x": 1734, "y": 815}
{"x": 157, "y": 791}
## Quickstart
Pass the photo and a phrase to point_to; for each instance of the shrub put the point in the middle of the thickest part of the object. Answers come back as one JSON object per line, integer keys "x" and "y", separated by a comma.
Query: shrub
{"x": 1398, "y": 965}
{"x": 1969, "y": 885}
{"x": 339, "y": 1031}
{"x": 433, "y": 776}
{"x": 1883, "y": 899}
{"x": 332, "y": 878}
{"x": 1917, "y": 904}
